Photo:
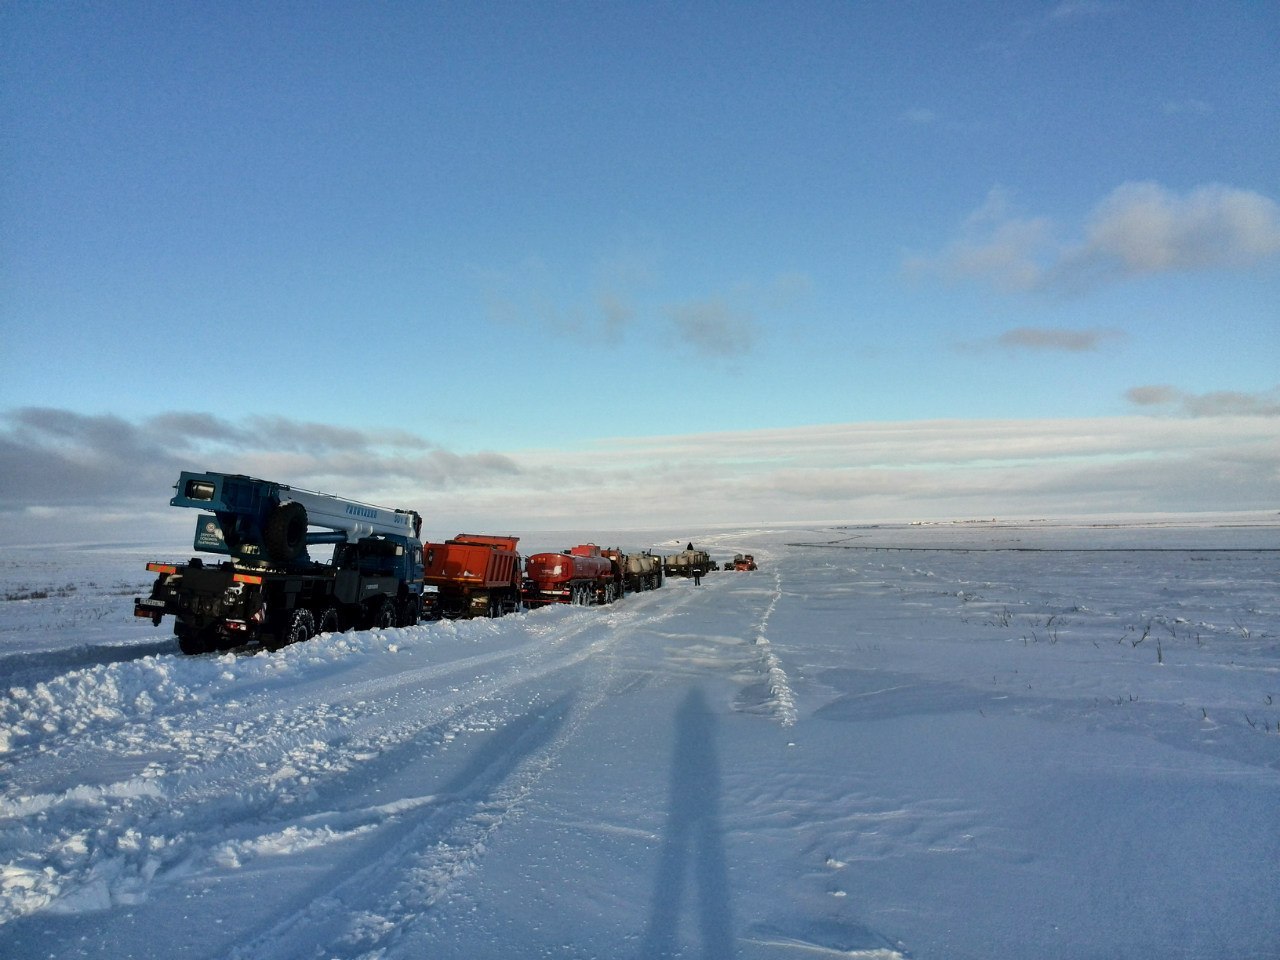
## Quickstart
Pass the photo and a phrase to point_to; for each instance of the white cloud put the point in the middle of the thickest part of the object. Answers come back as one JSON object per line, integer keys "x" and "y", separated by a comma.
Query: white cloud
{"x": 714, "y": 329}
{"x": 1152, "y": 395}
{"x": 1214, "y": 404}
{"x": 1042, "y": 338}
{"x": 1047, "y": 339}
{"x": 994, "y": 245}
{"x": 1138, "y": 229}
{"x": 1144, "y": 228}
{"x": 622, "y": 297}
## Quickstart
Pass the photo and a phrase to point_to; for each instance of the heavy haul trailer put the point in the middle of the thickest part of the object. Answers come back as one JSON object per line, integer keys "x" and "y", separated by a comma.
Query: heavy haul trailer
{"x": 270, "y": 590}
{"x": 472, "y": 575}
{"x": 635, "y": 571}
{"x": 580, "y": 576}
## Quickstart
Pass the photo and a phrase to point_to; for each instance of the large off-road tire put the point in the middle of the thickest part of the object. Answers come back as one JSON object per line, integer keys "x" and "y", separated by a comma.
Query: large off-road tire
{"x": 382, "y": 616}
{"x": 190, "y": 645}
{"x": 299, "y": 625}
{"x": 510, "y": 603}
{"x": 409, "y": 611}
{"x": 285, "y": 532}
{"x": 329, "y": 621}
{"x": 193, "y": 642}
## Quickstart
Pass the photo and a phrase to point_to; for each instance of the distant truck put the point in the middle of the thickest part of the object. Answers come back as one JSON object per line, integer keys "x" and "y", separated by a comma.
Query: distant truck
{"x": 742, "y": 561}
{"x": 688, "y": 562}
{"x": 635, "y": 571}
{"x": 472, "y": 575}
{"x": 270, "y": 591}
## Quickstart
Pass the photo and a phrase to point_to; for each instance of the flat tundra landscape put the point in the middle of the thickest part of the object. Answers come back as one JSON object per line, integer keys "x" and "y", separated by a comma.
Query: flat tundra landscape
{"x": 988, "y": 740}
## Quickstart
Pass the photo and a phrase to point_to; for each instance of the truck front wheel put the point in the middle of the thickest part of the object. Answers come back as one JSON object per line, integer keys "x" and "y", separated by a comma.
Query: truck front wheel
{"x": 410, "y": 612}
{"x": 328, "y": 622}
{"x": 383, "y": 615}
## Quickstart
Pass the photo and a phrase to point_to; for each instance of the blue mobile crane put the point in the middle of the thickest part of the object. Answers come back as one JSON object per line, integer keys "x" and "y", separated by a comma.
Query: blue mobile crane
{"x": 270, "y": 590}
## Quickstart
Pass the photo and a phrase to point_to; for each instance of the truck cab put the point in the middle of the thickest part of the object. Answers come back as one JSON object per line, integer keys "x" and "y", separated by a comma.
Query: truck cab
{"x": 380, "y": 566}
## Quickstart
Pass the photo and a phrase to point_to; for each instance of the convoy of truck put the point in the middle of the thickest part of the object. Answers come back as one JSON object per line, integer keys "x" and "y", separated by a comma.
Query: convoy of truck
{"x": 269, "y": 591}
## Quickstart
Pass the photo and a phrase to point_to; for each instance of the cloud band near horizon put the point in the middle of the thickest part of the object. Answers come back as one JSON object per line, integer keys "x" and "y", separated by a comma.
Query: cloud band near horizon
{"x": 111, "y": 475}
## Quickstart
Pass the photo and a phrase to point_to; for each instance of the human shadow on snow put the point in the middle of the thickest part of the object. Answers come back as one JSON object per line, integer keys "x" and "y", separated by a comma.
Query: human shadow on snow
{"x": 693, "y": 842}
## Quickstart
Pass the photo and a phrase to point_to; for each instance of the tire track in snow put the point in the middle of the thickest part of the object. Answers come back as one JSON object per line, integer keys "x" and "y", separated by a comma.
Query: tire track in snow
{"x": 745, "y": 647}
{"x": 781, "y": 697}
{"x": 95, "y": 705}
{"x": 364, "y": 913}
{"x": 220, "y": 770}
{"x": 148, "y": 707}
{"x": 425, "y": 856}
{"x": 233, "y": 783}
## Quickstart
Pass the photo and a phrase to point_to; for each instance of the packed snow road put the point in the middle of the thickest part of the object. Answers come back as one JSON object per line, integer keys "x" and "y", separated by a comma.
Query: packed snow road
{"x": 858, "y": 751}
{"x": 319, "y": 801}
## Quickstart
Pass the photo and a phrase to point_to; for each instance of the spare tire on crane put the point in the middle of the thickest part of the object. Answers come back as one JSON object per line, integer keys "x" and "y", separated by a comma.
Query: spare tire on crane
{"x": 285, "y": 532}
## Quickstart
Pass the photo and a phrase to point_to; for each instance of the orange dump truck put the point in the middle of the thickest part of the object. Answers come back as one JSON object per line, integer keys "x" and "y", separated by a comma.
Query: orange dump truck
{"x": 472, "y": 575}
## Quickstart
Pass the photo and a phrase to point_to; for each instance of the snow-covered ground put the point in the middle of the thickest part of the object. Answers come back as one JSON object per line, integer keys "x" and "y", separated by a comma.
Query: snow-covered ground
{"x": 984, "y": 740}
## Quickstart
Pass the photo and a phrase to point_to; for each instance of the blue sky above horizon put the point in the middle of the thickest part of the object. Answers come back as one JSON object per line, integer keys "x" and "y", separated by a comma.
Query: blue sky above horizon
{"x": 492, "y": 228}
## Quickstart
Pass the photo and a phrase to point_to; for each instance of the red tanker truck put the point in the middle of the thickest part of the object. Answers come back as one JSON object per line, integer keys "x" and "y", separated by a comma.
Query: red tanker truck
{"x": 580, "y": 576}
{"x": 472, "y": 575}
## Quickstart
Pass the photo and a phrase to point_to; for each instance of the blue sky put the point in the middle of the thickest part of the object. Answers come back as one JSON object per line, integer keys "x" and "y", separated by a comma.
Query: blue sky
{"x": 453, "y": 250}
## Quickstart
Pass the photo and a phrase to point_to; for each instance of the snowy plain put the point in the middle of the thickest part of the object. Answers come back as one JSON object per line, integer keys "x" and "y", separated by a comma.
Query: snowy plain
{"x": 980, "y": 740}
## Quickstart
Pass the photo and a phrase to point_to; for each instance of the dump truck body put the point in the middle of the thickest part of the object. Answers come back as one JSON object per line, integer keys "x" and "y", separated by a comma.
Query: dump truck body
{"x": 472, "y": 575}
